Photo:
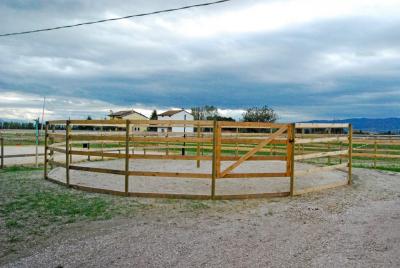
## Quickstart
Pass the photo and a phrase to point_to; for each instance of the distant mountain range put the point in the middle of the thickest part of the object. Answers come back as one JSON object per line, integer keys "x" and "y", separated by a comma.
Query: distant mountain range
{"x": 368, "y": 124}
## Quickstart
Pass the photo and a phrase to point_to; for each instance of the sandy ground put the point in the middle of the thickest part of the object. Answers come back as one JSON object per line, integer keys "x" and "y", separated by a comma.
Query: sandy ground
{"x": 195, "y": 186}
{"x": 356, "y": 226}
{"x": 22, "y": 149}
{"x": 28, "y": 149}
{"x": 31, "y": 149}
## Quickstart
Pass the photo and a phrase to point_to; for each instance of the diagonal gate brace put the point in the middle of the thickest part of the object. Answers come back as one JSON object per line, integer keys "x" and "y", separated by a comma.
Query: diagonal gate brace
{"x": 253, "y": 151}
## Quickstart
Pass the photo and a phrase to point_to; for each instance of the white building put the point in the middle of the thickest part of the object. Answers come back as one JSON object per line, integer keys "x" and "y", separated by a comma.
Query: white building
{"x": 176, "y": 115}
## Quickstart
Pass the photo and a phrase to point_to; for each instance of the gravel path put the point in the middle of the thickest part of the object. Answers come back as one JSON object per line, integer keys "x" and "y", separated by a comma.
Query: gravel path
{"x": 356, "y": 226}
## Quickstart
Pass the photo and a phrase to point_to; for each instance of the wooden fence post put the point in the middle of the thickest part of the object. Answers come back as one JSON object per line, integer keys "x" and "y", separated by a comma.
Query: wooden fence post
{"x": 237, "y": 145}
{"x": 198, "y": 145}
{"x": 88, "y": 148}
{"x": 350, "y": 160}
{"x": 291, "y": 136}
{"x": 67, "y": 151}
{"x": 102, "y": 142}
{"x": 218, "y": 158}
{"x": 2, "y": 151}
{"x": 36, "y": 143}
{"x": 127, "y": 158}
{"x": 167, "y": 151}
{"x": 51, "y": 140}
{"x": 214, "y": 158}
{"x": 45, "y": 149}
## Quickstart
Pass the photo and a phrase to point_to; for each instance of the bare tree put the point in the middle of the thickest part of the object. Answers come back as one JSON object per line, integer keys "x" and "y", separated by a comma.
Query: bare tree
{"x": 206, "y": 112}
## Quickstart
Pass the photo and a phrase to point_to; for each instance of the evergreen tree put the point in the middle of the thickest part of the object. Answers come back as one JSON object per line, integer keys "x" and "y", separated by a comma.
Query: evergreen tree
{"x": 153, "y": 116}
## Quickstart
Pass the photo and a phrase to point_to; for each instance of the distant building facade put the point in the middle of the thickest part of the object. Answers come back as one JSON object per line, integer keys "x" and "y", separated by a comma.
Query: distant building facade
{"x": 176, "y": 115}
{"x": 130, "y": 115}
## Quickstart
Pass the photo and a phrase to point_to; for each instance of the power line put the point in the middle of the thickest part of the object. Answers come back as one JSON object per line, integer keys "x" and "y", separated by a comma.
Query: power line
{"x": 118, "y": 18}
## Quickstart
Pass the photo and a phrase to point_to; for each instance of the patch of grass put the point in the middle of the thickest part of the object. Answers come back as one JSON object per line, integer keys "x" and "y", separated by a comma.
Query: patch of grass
{"x": 196, "y": 205}
{"x": 169, "y": 201}
{"x": 99, "y": 145}
{"x": 55, "y": 206}
{"x": 32, "y": 209}
{"x": 20, "y": 168}
{"x": 13, "y": 224}
{"x": 14, "y": 238}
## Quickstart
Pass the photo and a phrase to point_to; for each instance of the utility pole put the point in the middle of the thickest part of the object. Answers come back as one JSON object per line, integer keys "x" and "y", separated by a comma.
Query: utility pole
{"x": 44, "y": 102}
{"x": 37, "y": 140}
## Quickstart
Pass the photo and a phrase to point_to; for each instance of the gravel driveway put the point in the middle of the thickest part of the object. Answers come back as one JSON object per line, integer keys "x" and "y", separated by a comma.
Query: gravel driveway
{"x": 355, "y": 226}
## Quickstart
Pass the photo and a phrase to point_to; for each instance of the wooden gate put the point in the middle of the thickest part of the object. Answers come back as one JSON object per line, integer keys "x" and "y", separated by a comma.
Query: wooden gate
{"x": 277, "y": 134}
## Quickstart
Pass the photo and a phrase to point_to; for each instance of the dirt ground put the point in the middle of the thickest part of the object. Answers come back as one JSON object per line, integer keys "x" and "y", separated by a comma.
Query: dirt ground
{"x": 196, "y": 186}
{"x": 31, "y": 149}
{"x": 28, "y": 149}
{"x": 356, "y": 226}
{"x": 22, "y": 149}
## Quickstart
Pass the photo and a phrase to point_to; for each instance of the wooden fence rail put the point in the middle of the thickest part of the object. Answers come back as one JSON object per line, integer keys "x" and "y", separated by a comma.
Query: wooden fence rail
{"x": 210, "y": 141}
{"x": 3, "y": 156}
{"x": 233, "y": 142}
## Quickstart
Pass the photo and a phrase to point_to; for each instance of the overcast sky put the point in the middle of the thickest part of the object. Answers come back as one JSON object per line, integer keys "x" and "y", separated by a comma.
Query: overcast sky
{"x": 305, "y": 59}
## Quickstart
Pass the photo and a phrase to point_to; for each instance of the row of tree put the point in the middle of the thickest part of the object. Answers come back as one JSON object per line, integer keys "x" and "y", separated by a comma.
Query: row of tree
{"x": 17, "y": 125}
{"x": 210, "y": 112}
{"x": 253, "y": 114}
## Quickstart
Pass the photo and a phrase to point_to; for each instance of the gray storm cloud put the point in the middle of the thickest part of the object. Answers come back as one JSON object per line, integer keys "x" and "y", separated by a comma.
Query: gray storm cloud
{"x": 332, "y": 60}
